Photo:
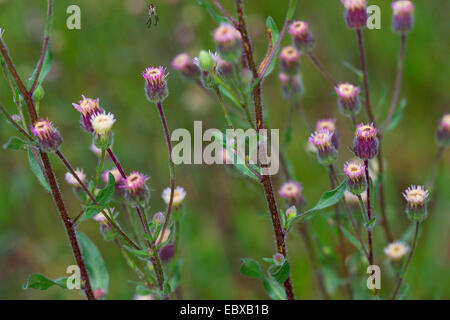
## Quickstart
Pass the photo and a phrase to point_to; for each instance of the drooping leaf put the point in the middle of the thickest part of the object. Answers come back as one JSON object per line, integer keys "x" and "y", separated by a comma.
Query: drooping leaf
{"x": 105, "y": 195}
{"x": 94, "y": 263}
{"x": 46, "y": 66}
{"x": 41, "y": 282}
{"x": 36, "y": 169}
{"x": 398, "y": 115}
{"x": 280, "y": 272}
{"x": 15, "y": 143}
{"x": 251, "y": 268}
{"x": 274, "y": 289}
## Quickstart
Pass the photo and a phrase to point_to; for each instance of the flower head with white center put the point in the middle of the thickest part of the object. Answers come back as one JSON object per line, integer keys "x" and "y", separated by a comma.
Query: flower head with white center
{"x": 185, "y": 64}
{"x": 403, "y": 16}
{"x": 330, "y": 125}
{"x": 178, "y": 196}
{"x": 356, "y": 180}
{"x": 416, "y": 203}
{"x": 443, "y": 132}
{"x": 102, "y": 123}
{"x": 348, "y": 98}
{"x": 228, "y": 40}
{"x": 396, "y": 250}
{"x": 290, "y": 60}
{"x": 115, "y": 173}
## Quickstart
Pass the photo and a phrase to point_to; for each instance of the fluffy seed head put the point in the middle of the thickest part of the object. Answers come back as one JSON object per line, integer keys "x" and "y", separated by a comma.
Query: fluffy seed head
{"x": 70, "y": 179}
{"x": 290, "y": 60}
{"x": 178, "y": 196}
{"x": 396, "y": 250}
{"x": 186, "y": 66}
{"x": 47, "y": 136}
{"x": 416, "y": 203}
{"x": 355, "y": 13}
{"x": 291, "y": 191}
{"x": 443, "y": 132}
{"x": 135, "y": 187}
{"x": 301, "y": 35}
{"x": 155, "y": 83}
{"x": 403, "y": 16}
{"x": 348, "y": 98}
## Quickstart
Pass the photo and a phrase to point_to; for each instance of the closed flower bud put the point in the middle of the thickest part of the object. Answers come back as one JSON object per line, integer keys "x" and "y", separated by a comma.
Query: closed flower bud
{"x": 326, "y": 152}
{"x": 416, "y": 203}
{"x": 291, "y": 213}
{"x": 158, "y": 218}
{"x": 348, "y": 99}
{"x": 136, "y": 190}
{"x": 396, "y": 250}
{"x": 403, "y": 16}
{"x": 178, "y": 197}
{"x": 291, "y": 191}
{"x": 330, "y": 125}
{"x": 228, "y": 41}
{"x": 278, "y": 259}
{"x": 155, "y": 84}
{"x": 355, "y": 13}
{"x": 443, "y": 132}
{"x": 87, "y": 108}
{"x": 206, "y": 61}
{"x": 167, "y": 252}
{"x": 365, "y": 143}
{"x": 291, "y": 86}
{"x": 301, "y": 36}
{"x": 70, "y": 179}
{"x": 47, "y": 136}
{"x": 290, "y": 60}
{"x": 102, "y": 124}
{"x": 38, "y": 93}
{"x": 186, "y": 66}
{"x": 356, "y": 179}
{"x": 99, "y": 293}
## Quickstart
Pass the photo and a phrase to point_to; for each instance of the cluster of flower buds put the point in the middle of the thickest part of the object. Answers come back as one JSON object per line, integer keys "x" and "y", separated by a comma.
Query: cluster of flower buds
{"x": 365, "y": 143}
{"x": 228, "y": 41}
{"x": 356, "y": 179}
{"x": 416, "y": 203}
{"x": 156, "y": 88}
{"x": 178, "y": 197}
{"x": 355, "y": 13}
{"x": 325, "y": 149}
{"x": 291, "y": 191}
{"x": 403, "y": 16}
{"x": 301, "y": 36}
{"x": 135, "y": 188}
{"x": 108, "y": 232}
{"x": 47, "y": 136}
{"x": 348, "y": 99}
{"x": 443, "y": 132}
{"x": 185, "y": 64}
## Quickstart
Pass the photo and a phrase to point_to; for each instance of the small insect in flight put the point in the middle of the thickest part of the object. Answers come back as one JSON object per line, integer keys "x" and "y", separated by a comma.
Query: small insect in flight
{"x": 152, "y": 15}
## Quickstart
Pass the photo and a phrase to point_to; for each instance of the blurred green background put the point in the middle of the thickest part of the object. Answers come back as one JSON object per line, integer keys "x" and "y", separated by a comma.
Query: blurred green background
{"x": 227, "y": 217}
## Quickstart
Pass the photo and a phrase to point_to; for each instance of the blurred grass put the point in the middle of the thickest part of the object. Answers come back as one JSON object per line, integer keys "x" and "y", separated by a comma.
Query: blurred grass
{"x": 226, "y": 216}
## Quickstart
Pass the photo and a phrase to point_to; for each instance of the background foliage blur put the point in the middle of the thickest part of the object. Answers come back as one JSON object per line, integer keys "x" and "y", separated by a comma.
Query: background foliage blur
{"x": 227, "y": 217}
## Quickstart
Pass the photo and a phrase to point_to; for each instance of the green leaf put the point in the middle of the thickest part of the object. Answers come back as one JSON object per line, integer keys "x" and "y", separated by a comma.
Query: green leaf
{"x": 15, "y": 143}
{"x": 205, "y": 4}
{"x": 272, "y": 26}
{"x": 352, "y": 239}
{"x": 371, "y": 223}
{"x": 251, "y": 268}
{"x": 36, "y": 169}
{"x": 105, "y": 196}
{"x": 288, "y": 135}
{"x": 274, "y": 289}
{"x": 94, "y": 263}
{"x": 40, "y": 282}
{"x": 46, "y": 66}
{"x": 355, "y": 70}
{"x": 328, "y": 199}
{"x": 291, "y": 9}
{"x": 142, "y": 290}
{"x": 175, "y": 279}
{"x": 226, "y": 93}
{"x": 142, "y": 254}
{"x": 398, "y": 115}
{"x": 280, "y": 273}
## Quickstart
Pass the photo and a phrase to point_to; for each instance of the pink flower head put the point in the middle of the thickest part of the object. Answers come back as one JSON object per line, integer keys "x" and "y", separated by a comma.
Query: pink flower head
{"x": 291, "y": 191}
{"x": 403, "y": 18}
{"x": 155, "y": 83}
{"x": 226, "y": 35}
{"x": 99, "y": 293}
{"x": 87, "y": 107}
{"x": 301, "y": 36}
{"x": 354, "y": 170}
{"x": 290, "y": 60}
{"x": 443, "y": 132}
{"x": 135, "y": 187}
{"x": 284, "y": 78}
{"x": 116, "y": 174}
{"x": 365, "y": 144}
{"x": 321, "y": 139}
{"x": 184, "y": 63}
{"x": 100, "y": 217}
{"x": 47, "y": 136}
{"x": 330, "y": 125}
{"x": 355, "y": 13}
{"x": 348, "y": 98}
{"x": 366, "y": 131}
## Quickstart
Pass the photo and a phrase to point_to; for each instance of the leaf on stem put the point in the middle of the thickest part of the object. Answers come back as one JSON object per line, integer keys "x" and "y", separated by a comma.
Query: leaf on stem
{"x": 251, "y": 268}
{"x": 217, "y": 18}
{"x": 274, "y": 289}
{"x": 352, "y": 239}
{"x": 41, "y": 282}
{"x": 105, "y": 195}
{"x": 46, "y": 66}
{"x": 15, "y": 143}
{"x": 36, "y": 169}
{"x": 280, "y": 272}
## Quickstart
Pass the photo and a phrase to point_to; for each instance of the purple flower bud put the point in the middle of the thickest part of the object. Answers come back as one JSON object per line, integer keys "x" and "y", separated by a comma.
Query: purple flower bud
{"x": 186, "y": 66}
{"x": 87, "y": 108}
{"x": 443, "y": 132}
{"x": 301, "y": 36}
{"x": 403, "y": 18}
{"x": 48, "y": 137}
{"x": 365, "y": 144}
{"x": 290, "y": 60}
{"x": 136, "y": 190}
{"x": 348, "y": 99}
{"x": 155, "y": 84}
{"x": 167, "y": 252}
{"x": 355, "y": 13}
{"x": 356, "y": 179}
{"x": 228, "y": 41}
{"x": 330, "y": 125}
{"x": 326, "y": 152}
{"x": 416, "y": 203}
{"x": 291, "y": 191}
{"x": 99, "y": 293}
{"x": 158, "y": 218}
{"x": 278, "y": 258}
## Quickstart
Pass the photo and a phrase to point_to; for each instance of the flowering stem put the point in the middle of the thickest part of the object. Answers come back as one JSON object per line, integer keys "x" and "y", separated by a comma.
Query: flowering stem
{"x": 405, "y": 266}
{"x": 322, "y": 69}
{"x": 341, "y": 244}
{"x": 369, "y": 216}
{"x": 172, "y": 168}
{"x": 265, "y": 179}
{"x": 105, "y": 214}
{"x": 398, "y": 82}
{"x": 116, "y": 163}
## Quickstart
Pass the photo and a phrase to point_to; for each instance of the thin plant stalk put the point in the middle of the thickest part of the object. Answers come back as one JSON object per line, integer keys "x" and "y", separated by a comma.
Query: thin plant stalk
{"x": 369, "y": 217}
{"x": 99, "y": 169}
{"x": 322, "y": 69}
{"x": 434, "y": 168}
{"x": 224, "y": 109}
{"x": 402, "y": 272}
